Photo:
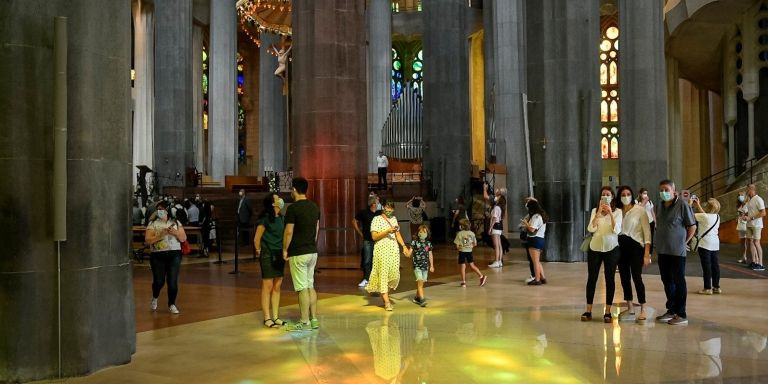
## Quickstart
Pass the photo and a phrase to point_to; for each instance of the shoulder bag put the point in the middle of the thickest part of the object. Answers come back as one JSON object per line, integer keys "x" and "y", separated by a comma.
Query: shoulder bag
{"x": 697, "y": 239}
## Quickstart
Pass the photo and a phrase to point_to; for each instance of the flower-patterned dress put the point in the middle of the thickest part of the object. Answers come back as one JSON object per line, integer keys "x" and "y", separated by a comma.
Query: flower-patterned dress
{"x": 385, "y": 273}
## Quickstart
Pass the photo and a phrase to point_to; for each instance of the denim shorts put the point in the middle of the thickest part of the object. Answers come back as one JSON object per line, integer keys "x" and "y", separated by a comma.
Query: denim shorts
{"x": 536, "y": 243}
{"x": 421, "y": 274}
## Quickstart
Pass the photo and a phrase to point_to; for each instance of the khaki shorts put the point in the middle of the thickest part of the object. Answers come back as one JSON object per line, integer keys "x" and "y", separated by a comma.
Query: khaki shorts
{"x": 303, "y": 271}
{"x": 754, "y": 233}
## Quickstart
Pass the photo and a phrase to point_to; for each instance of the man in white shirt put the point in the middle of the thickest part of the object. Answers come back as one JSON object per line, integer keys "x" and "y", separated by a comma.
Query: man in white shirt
{"x": 382, "y": 163}
{"x": 755, "y": 213}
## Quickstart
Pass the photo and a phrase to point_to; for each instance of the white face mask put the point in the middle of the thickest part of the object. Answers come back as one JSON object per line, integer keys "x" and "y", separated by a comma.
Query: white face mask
{"x": 741, "y": 198}
{"x": 162, "y": 214}
{"x": 378, "y": 207}
{"x": 626, "y": 200}
{"x": 606, "y": 199}
{"x": 422, "y": 235}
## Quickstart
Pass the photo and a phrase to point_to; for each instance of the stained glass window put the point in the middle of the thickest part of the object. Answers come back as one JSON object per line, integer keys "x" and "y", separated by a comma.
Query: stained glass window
{"x": 418, "y": 73}
{"x": 205, "y": 87}
{"x": 397, "y": 75}
{"x": 609, "y": 84}
{"x": 241, "y": 131}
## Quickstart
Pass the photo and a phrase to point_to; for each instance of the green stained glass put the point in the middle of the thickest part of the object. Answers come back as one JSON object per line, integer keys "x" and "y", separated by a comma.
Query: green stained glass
{"x": 397, "y": 65}
{"x": 205, "y": 83}
{"x": 417, "y": 65}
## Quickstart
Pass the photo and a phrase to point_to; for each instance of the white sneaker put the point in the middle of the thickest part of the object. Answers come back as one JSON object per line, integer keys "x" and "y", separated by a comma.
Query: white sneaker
{"x": 495, "y": 264}
{"x": 529, "y": 279}
{"x": 363, "y": 283}
{"x": 173, "y": 309}
{"x": 153, "y": 304}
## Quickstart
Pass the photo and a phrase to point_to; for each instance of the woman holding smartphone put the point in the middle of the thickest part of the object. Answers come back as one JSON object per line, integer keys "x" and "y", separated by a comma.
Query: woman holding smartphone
{"x": 605, "y": 226}
{"x": 385, "y": 274}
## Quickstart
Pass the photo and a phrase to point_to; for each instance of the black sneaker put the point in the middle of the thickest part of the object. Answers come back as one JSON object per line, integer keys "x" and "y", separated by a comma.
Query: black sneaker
{"x": 751, "y": 265}
{"x": 758, "y": 267}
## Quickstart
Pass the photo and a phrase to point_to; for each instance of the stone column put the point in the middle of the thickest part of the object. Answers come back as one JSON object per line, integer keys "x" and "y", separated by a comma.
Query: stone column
{"x": 198, "y": 144}
{"x": 379, "y": 17}
{"x": 446, "y": 99}
{"x": 250, "y": 103}
{"x": 143, "y": 86}
{"x": 329, "y": 114}
{"x": 642, "y": 94}
{"x": 272, "y": 117}
{"x": 174, "y": 133}
{"x": 222, "y": 127}
{"x": 96, "y": 322}
{"x": 562, "y": 42}
{"x": 505, "y": 31}
{"x": 674, "y": 124}
{"x": 750, "y": 85}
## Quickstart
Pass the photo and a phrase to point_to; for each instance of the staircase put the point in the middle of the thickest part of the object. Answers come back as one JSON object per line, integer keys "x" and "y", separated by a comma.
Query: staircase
{"x": 727, "y": 193}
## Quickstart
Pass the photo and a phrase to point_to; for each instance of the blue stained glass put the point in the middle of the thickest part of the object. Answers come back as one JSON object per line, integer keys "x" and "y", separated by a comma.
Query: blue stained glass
{"x": 240, "y": 79}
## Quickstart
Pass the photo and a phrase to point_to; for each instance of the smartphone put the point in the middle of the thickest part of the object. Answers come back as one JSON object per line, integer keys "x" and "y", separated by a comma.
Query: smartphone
{"x": 605, "y": 199}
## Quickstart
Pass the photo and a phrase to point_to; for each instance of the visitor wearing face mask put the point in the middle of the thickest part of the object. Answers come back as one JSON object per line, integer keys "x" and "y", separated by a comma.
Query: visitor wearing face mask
{"x": 385, "y": 274}
{"x": 675, "y": 226}
{"x": 244, "y": 213}
{"x": 644, "y": 200}
{"x": 165, "y": 235}
{"x": 268, "y": 243}
{"x": 634, "y": 253}
{"x": 362, "y": 224}
{"x": 605, "y": 226}
{"x": 709, "y": 244}
{"x": 423, "y": 263}
{"x": 741, "y": 227}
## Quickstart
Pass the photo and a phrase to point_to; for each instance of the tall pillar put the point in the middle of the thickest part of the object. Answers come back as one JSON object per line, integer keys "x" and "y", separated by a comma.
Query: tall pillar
{"x": 674, "y": 124}
{"x": 143, "y": 85}
{"x": 643, "y": 102}
{"x": 250, "y": 103}
{"x": 379, "y": 21}
{"x": 750, "y": 85}
{"x": 505, "y": 30}
{"x": 86, "y": 300}
{"x": 173, "y": 91}
{"x": 329, "y": 116}
{"x": 272, "y": 113}
{"x": 562, "y": 41}
{"x": 198, "y": 144}
{"x": 446, "y": 99}
{"x": 222, "y": 127}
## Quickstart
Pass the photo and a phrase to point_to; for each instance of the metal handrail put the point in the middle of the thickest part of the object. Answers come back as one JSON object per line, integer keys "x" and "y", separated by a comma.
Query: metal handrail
{"x": 705, "y": 187}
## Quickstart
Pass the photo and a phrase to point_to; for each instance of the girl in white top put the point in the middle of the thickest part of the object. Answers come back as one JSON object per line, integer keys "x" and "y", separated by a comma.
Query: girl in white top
{"x": 635, "y": 252}
{"x": 535, "y": 223}
{"x": 605, "y": 225}
{"x": 709, "y": 244}
{"x": 497, "y": 226}
{"x": 644, "y": 201}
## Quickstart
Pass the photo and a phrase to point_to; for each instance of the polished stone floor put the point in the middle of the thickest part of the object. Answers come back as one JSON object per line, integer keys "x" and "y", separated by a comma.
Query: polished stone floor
{"x": 504, "y": 332}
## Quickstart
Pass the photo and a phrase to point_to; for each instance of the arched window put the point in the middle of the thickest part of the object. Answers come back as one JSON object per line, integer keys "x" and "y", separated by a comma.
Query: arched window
{"x": 609, "y": 84}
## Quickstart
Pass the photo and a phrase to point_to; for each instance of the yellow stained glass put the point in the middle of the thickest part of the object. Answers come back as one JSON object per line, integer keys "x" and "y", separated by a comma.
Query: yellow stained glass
{"x": 614, "y": 111}
{"x": 614, "y": 148}
{"x": 612, "y": 33}
{"x": 605, "y": 45}
{"x": 604, "y": 148}
{"x": 604, "y": 111}
{"x": 614, "y": 72}
{"x": 603, "y": 56}
{"x": 616, "y": 44}
{"x": 603, "y": 74}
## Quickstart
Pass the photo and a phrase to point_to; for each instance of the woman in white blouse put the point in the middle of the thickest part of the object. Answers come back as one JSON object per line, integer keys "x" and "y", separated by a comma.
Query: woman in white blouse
{"x": 605, "y": 225}
{"x": 635, "y": 252}
{"x": 709, "y": 244}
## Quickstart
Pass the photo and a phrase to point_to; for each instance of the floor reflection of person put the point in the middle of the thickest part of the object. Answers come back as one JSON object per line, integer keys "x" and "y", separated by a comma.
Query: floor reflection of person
{"x": 384, "y": 336}
{"x": 417, "y": 366}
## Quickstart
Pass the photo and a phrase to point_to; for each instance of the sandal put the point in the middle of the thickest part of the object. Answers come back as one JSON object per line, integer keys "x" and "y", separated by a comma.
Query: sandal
{"x": 279, "y": 322}
{"x": 607, "y": 318}
{"x": 586, "y": 316}
{"x": 269, "y": 323}
{"x": 642, "y": 316}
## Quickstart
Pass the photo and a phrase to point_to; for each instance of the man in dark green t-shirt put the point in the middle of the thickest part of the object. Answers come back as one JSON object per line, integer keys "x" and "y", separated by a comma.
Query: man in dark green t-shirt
{"x": 302, "y": 223}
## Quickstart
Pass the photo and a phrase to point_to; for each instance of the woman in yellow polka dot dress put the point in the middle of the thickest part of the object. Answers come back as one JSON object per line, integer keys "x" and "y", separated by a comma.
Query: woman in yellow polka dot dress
{"x": 385, "y": 274}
